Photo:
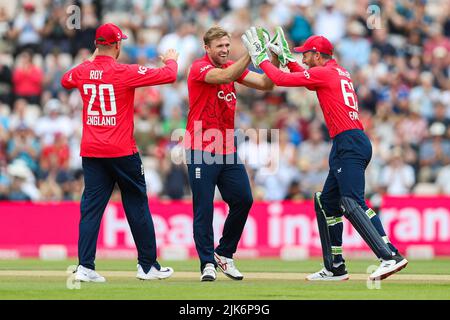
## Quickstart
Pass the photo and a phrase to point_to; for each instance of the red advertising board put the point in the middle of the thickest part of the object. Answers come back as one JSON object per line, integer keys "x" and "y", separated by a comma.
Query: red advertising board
{"x": 273, "y": 228}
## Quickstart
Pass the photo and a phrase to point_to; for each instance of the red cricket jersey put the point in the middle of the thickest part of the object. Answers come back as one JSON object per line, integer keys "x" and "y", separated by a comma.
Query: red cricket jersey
{"x": 107, "y": 89}
{"x": 210, "y": 124}
{"x": 334, "y": 89}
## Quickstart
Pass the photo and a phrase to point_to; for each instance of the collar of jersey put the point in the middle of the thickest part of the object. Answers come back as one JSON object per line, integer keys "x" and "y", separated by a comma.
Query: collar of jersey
{"x": 104, "y": 58}
{"x": 330, "y": 62}
{"x": 206, "y": 57}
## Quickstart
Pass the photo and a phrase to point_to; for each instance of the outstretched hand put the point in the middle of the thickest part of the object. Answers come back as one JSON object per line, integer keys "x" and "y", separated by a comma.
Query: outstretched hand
{"x": 280, "y": 47}
{"x": 170, "y": 54}
{"x": 254, "y": 41}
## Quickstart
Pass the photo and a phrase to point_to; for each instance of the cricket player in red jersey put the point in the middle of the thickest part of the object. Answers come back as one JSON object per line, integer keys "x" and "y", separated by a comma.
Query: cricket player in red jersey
{"x": 211, "y": 152}
{"x": 343, "y": 192}
{"x": 108, "y": 149}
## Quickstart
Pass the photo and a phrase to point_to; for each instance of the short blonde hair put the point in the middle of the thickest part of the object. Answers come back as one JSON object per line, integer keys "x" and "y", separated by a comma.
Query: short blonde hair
{"x": 213, "y": 33}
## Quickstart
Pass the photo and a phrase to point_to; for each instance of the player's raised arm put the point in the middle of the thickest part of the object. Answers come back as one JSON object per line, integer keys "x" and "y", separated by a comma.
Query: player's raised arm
{"x": 230, "y": 74}
{"x": 258, "y": 52}
{"x": 68, "y": 80}
{"x": 140, "y": 76}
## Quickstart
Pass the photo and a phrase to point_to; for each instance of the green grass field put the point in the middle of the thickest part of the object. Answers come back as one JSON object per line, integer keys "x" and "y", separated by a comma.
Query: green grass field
{"x": 264, "y": 279}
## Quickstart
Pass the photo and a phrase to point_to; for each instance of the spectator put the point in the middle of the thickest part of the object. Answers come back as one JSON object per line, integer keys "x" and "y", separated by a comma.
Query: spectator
{"x": 440, "y": 116}
{"x": 434, "y": 153}
{"x": 28, "y": 79}
{"x": 27, "y": 29}
{"x": 5, "y": 181}
{"x": 300, "y": 27}
{"x": 55, "y": 69}
{"x": 424, "y": 96}
{"x": 185, "y": 42}
{"x": 354, "y": 49}
{"x": 53, "y": 122}
{"x": 313, "y": 160}
{"x": 330, "y": 22}
{"x": 55, "y": 32}
{"x": 6, "y": 88}
{"x": 23, "y": 187}
{"x": 442, "y": 181}
{"x": 6, "y": 44}
{"x": 437, "y": 40}
{"x": 23, "y": 114}
{"x": 141, "y": 49}
{"x": 397, "y": 177}
{"x": 4, "y": 135}
{"x": 412, "y": 129}
{"x": 176, "y": 121}
{"x": 24, "y": 146}
{"x": 295, "y": 192}
{"x": 381, "y": 43}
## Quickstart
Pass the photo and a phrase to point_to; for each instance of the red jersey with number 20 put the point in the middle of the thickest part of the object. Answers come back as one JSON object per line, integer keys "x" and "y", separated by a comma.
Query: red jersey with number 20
{"x": 210, "y": 124}
{"x": 107, "y": 89}
{"x": 334, "y": 89}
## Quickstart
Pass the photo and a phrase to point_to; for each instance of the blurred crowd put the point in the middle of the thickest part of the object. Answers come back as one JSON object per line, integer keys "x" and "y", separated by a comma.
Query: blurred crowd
{"x": 397, "y": 52}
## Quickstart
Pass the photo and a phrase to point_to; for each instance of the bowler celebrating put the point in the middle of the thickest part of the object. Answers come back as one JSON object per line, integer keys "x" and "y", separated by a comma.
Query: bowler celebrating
{"x": 343, "y": 192}
{"x": 211, "y": 151}
{"x": 108, "y": 149}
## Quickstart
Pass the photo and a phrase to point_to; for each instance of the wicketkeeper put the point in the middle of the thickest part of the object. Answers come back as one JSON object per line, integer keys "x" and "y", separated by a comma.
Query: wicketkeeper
{"x": 343, "y": 192}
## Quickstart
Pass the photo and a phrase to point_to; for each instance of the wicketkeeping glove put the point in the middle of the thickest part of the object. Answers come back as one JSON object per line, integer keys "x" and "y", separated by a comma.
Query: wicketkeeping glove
{"x": 280, "y": 47}
{"x": 254, "y": 41}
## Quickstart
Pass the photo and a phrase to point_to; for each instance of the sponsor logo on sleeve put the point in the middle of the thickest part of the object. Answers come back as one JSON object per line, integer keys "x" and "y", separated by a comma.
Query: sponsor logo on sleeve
{"x": 142, "y": 70}
{"x": 307, "y": 75}
{"x": 205, "y": 68}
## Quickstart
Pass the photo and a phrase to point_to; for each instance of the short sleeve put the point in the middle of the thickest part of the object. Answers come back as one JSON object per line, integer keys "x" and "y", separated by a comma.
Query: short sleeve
{"x": 199, "y": 70}
{"x": 69, "y": 79}
{"x": 243, "y": 75}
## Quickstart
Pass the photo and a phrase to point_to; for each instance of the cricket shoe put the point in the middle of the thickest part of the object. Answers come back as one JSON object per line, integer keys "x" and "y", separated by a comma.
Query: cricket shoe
{"x": 336, "y": 274}
{"x": 154, "y": 273}
{"x": 226, "y": 265}
{"x": 84, "y": 274}
{"x": 389, "y": 267}
{"x": 208, "y": 273}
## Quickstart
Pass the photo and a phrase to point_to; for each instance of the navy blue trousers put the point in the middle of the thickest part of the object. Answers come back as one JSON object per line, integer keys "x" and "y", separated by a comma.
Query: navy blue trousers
{"x": 232, "y": 181}
{"x": 350, "y": 154}
{"x": 100, "y": 176}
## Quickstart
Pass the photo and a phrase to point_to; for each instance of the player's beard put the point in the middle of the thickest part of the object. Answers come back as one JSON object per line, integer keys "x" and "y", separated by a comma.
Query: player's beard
{"x": 218, "y": 60}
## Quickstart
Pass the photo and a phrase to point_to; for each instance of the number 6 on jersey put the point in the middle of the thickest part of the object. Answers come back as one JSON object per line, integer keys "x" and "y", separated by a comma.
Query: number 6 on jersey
{"x": 349, "y": 94}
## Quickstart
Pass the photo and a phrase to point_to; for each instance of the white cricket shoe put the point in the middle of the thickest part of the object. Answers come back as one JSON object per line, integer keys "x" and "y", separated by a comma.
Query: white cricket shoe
{"x": 226, "y": 265}
{"x": 389, "y": 267}
{"x": 209, "y": 273}
{"x": 88, "y": 275}
{"x": 337, "y": 274}
{"x": 153, "y": 273}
